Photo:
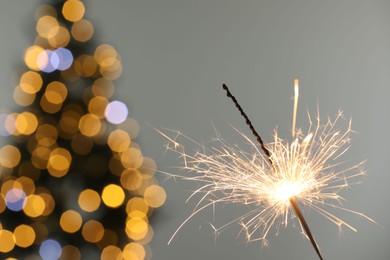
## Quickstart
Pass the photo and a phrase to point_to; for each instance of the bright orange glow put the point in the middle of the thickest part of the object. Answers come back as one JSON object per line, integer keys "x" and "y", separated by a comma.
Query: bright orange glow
{"x": 35, "y": 206}
{"x": 59, "y": 162}
{"x": 82, "y": 30}
{"x": 31, "y": 57}
{"x": 93, "y": 231}
{"x": 56, "y": 92}
{"x": 24, "y": 236}
{"x": 9, "y": 156}
{"x": 113, "y": 195}
{"x": 134, "y": 251}
{"x": 70, "y": 221}
{"x": 89, "y": 125}
{"x": 89, "y": 200}
{"x": 47, "y": 26}
{"x": 73, "y": 10}
{"x": 31, "y": 82}
{"x": 7, "y": 241}
{"x": 155, "y": 196}
{"x": 119, "y": 140}
{"x": 26, "y": 123}
{"x": 111, "y": 253}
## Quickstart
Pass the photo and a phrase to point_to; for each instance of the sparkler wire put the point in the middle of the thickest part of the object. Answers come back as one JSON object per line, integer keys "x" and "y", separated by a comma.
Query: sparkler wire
{"x": 295, "y": 206}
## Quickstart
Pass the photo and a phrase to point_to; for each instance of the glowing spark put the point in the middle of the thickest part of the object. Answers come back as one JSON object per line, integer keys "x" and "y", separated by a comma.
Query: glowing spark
{"x": 296, "y": 95}
{"x": 306, "y": 170}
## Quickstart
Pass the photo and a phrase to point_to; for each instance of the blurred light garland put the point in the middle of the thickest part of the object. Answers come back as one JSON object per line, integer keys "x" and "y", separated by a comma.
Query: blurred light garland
{"x": 74, "y": 184}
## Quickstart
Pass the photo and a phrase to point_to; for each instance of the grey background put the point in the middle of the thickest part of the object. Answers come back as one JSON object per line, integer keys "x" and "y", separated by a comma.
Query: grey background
{"x": 177, "y": 53}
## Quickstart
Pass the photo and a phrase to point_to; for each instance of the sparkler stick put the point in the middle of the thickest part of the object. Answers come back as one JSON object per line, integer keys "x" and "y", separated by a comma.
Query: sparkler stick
{"x": 270, "y": 178}
{"x": 266, "y": 151}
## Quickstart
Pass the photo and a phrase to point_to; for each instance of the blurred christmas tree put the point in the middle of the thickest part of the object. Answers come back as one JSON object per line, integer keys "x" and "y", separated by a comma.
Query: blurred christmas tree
{"x": 74, "y": 184}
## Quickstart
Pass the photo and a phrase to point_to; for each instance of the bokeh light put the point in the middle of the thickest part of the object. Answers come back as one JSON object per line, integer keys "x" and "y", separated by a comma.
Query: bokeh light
{"x": 89, "y": 200}
{"x": 24, "y": 236}
{"x": 65, "y": 58}
{"x": 15, "y": 199}
{"x": 116, "y": 112}
{"x": 113, "y": 195}
{"x": 74, "y": 182}
{"x": 7, "y": 241}
{"x": 70, "y": 221}
{"x": 9, "y": 156}
{"x": 82, "y": 30}
{"x": 93, "y": 231}
{"x": 30, "y": 82}
{"x": 50, "y": 249}
{"x": 48, "y": 61}
{"x": 73, "y": 10}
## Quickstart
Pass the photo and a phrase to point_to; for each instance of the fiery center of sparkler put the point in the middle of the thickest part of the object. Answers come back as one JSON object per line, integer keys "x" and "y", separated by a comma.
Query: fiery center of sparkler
{"x": 284, "y": 190}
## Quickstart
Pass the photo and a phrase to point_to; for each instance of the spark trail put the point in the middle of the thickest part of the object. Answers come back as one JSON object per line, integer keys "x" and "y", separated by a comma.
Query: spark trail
{"x": 271, "y": 179}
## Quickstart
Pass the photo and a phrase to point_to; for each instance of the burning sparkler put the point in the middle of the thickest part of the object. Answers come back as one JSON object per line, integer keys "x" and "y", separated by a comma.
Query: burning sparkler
{"x": 274, "y": 177}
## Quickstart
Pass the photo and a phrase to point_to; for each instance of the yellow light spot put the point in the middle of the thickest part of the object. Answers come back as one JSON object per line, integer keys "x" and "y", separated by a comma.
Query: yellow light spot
{"x": 47, "y": 26}
{"x": 24, "y": 236}
{"x": 89, "y": 200}
{"x": 7, "y": 241}
{"x": 137, "y": 208}
{"x": 70, "y": 221}
{"x": 155, "y": 196}
{"x": 136, "y": 228}
{"x": 70, "y": 252}
{"x": 97, "y": 106}
{"x": 27, "y": 184}
{"x": 46, "y": 135}
{"x": 35, "y": 206}
{"x": 89, "y": 125}
{"x": 93, "y": 231}
{"x": 113, "y": 195}
{"x": 132, "y": 158}
{"x": 26, "y": 123}
{"x": 31, "y": 57}
{"x": 60, "y": 37}
{"x": 56, "y": 92}
{"x": 69, "y": 122}
{"x": 85, "y": 66}
{"x": 111, "y": 253}
{"x": 134, "y": 251}
{"x": 105, "y": 55}
{"x": 113, "y": 71}
{"x": 119, "y": 140}
{"x": 59, "y": 162}
{"x": 82, "y": 30}
{"x": 10, "y": 184}
{"x": 49, "y": 203}
{"x": 40, "y": 157}
{"x": 31, "y": 82}
{"x": 73, "y": 10}
{"x": 49, "y": 107}
{"x": 22, "y": 98}
{"x": 9, "y": 156}
{"x": 103, "y": 87}
{"x": 131, "y": 179}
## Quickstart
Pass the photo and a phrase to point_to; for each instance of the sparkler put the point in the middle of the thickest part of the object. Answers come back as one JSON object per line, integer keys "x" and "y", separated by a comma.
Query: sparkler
{"x": 274, "y": 177}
